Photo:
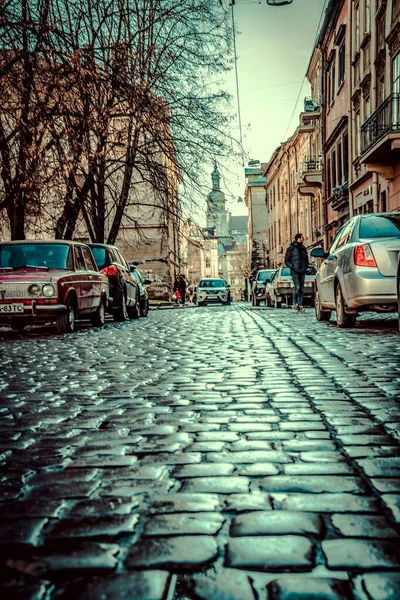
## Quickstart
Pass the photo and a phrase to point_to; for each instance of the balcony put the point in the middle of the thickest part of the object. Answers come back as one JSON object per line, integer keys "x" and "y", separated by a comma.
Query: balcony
{"x": 380, "y": 134}
{"x": 340, "y": 197}
{"x": 310, "y": 175}
{"x": 312, "y": 111}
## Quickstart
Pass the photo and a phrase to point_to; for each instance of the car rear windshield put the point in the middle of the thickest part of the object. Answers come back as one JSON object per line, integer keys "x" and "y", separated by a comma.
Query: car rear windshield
{"x": 52, "y": 256}
{"x": 380, "y": 227}
{"x": 100, "y": 256}
{"x": 212, "y": 283}
{"x": 285, "y": 272}
{"x": 265, "y": 275}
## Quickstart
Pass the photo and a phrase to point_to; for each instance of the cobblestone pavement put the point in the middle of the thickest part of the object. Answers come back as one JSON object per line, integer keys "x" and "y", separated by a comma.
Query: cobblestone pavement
{"x": 225, "y": 453}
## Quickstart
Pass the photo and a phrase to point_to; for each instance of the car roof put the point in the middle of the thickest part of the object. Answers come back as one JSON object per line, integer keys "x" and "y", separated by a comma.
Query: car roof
{"x": 59, "y": 242}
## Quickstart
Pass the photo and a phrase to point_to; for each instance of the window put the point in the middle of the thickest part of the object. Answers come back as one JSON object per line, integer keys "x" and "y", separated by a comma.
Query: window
{"x": 396, "y": 74}
{"x": 339, "y": 163}
{"x": 345, "y": 234}
{"x": 377, "y": 227}
{"x": 367, "y": 107}
{"x": 208, "y": 263}
{"x": 358, "y": 134}
{"x": 367, "y": 16}
{"x": 100, "y": 256}
{"x": 334, "y": 180}
{"x": 342, "y": 63}
{"x": 357, "y": 28}
{"x": 346, "y": 157}
{"x": 79, "y": 262}
{"x": 328, "y": 178}
{"x": 88, "y": 259}
{"x": 333, "y": 80}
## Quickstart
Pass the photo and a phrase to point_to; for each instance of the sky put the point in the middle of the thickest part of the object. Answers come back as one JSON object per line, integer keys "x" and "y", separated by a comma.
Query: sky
{"x": 274, "y": 46}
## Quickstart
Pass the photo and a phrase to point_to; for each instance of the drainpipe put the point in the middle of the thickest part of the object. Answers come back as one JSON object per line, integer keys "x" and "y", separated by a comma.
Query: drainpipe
{"x": 375, "y": 191}
{"x": 323, "y": 130}
{"x": 350, "y": 120}
{"x": 297, "y": 191}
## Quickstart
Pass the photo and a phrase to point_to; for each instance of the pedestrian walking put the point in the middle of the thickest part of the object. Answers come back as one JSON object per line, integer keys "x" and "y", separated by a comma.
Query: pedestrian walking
{"x": 182, "y": 288}
{"x": 296, "y": 258}
{"x": 176, "y": 294}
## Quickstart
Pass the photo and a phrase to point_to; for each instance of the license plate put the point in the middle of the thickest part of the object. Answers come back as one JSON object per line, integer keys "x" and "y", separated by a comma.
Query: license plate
{"x": 213, "y": 297}
{"x": 308, "y": 285}
{"x": 11, "y": 308}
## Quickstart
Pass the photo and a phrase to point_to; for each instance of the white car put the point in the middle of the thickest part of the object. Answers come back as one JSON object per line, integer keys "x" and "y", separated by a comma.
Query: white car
{"x": 212, "y": 291}
{"x": 281, "y": 288}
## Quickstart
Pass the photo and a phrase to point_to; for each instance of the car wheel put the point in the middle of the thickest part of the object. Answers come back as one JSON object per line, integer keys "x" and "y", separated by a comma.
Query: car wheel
{"x": 257, "y": 302}
{"x": 99, "y": 317}
{"x": 343, "y": 319}
{"x": 144, "y": 308}
{"x": 134, "y": 311}
{"x": 66, "y": 321}
{"x": 320, "y": 313}
{"x": 199, "y": 303}
{"x": 120, "y": 314}
{"x": 277, "y": 304}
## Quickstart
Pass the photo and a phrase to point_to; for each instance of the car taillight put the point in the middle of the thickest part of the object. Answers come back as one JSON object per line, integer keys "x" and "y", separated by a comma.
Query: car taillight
{"x": 109, "y": 271}
{"x": 283, "y": 284}
{"x": 363, "y": 256}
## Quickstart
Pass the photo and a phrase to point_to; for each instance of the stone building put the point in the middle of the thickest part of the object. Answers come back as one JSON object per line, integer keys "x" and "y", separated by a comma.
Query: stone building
{"x": 254, "y": 197}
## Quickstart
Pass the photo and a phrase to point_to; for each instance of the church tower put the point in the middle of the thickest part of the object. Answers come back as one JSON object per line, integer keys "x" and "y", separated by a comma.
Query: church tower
{"x": 217, "y": 215}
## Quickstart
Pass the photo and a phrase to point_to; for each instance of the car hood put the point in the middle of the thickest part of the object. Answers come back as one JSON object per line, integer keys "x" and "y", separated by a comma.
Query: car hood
{"x": 28, "y": 275}
{"x": 211, "y": 289}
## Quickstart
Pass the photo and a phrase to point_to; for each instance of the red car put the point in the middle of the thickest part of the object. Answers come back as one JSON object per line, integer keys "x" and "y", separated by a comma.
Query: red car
{"x": 43, "y": 281}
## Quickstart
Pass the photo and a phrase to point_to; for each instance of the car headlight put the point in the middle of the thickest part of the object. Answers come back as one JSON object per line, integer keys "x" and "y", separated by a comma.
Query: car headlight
{"x": 34, "y": 290}
{"x": 48, "y": 290}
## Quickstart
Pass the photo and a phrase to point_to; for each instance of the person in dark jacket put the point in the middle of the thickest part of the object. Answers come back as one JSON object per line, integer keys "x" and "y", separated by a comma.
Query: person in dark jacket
{"x": 296, "y": 259}
{"x": 182, "y": 288}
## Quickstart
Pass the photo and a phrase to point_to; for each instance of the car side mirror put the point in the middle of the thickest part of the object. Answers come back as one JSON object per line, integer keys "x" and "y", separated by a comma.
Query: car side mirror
{"x": 227, "y": 285}
{"x": 147, "y": 281}
{"x": 318, "y": 253}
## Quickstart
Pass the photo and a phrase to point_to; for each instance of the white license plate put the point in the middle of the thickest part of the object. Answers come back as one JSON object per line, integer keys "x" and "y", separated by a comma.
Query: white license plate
{"x": 308, "y": 285}
{"x": 213, "y": 297}
{"x": 11, "y": 308}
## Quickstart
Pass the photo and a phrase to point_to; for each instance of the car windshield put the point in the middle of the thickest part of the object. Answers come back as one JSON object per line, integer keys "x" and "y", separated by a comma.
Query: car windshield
{"x": 380, "y": 227}
{"x": 50, "y": 256}
{"x": 100, "y": 256}
{"x": 285, "y": 272}
{"x": 212, "y": 283}
{"x": 265, "y": 275}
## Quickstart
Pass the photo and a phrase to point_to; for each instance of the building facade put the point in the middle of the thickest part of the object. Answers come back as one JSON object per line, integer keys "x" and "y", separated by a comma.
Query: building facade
{"x": 254, "y": 197}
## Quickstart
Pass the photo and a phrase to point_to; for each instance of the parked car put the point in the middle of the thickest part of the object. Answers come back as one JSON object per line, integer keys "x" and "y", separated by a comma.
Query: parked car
{"x": 124, "y": 289}
{"x": 44, "y": 281}
{"x": 358, "y": 273}
{"x": 258, "y": 292}
{"x": 281, "y": 287}
{"x": 212, "y": 291}
{"x": 143, "y": 296}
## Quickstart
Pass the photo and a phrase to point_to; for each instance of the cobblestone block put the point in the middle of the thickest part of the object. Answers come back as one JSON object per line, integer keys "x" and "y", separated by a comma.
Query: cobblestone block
{"x": 31, "y": 508}
{"x": 309, "y": 588}
{"x": 245, "y": 445}
{"x": 207, "y": 446}
{"x": 227, "y": 584}
{"x": 103, "y": 462}
{"x": 380, "y": 586}
{"x": 361, "y": 554}
{"x": 386, "y": 485}
{"x": 148, "y": 472}
{"x": 129, "y": 489}
{"x": 302, "y": 426}
{"x": 346, "y": 503}
{"x": 276, "y": 522}
{"x": 392, "y": 501}
{"x": 249, "y": 427}
{"x": 139, "y": 585}
{"x": 204, "y": 470}
{"x": 336, "y": 468}
{"x": 103, "y": 506}
{"x": 215, "y": 436}
{"x": 251, "y": 456}
{"x": 23, "y": 531}
{"x": 50, "y": 560}
{"x": 325, "y": 457}
{"x": 271, "y": 435}
{"x": 270, "y": 553}
{"x": 186, "y": 458}
{"x": 309, "y": 445}
{"x": 184, "y": 524}
{"x": 74, "y": 489}
{"x": 219, "y": 485}
{"x": 366, "y": 526}
{"x": 366, "y": 440}
{"x": 94, "y": 527}
{"x": 244, "y": 502}
{"x": 64, "y": 476}
{"x": 381, "y": 467}
{"x": 186, "y": 503}
{"x": 258, "y": 469}
{"x": 181, "y": 553}
{"x": 18, "y": 588}
{"x": 313, "y": 484}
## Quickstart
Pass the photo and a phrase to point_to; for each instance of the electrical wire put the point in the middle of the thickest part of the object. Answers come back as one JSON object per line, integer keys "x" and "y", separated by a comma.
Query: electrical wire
{"x": 237, "y": 82}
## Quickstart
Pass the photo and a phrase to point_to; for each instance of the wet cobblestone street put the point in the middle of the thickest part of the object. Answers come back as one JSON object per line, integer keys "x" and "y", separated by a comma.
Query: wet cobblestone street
{"x": 222, "y": 453}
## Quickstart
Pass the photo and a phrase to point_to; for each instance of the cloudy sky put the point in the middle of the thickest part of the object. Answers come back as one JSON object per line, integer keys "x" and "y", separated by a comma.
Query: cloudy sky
{"x": 274, "y": 46}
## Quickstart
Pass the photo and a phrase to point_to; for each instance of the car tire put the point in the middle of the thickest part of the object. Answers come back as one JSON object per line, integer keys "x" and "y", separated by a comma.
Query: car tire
{"x": 199, "y": 303}
{"x": 134, "y": 311}
{"x": 343, "y": 319}
{"x": 99, "y": 317}
{"x": 66, "y": 321}
{"x": 277, "y": 304}
{"x": 120, "y": 313}
{"x": 320, "y": 313}
{"x": 144, "y": 308}
{"x": 257, "y": 303}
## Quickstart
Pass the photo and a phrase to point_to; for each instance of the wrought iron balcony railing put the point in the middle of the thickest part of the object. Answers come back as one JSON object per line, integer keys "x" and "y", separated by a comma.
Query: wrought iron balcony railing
{"x": 386, "y": 119}
{"x": 311, "y": 164}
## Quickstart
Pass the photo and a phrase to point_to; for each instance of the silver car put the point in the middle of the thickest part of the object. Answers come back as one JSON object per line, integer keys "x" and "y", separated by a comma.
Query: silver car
{"x": 258, "y": 292}
{"x": 281, "y": 288}
{"x": 359, "y": 271}
{"x": 212, "y": 291}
